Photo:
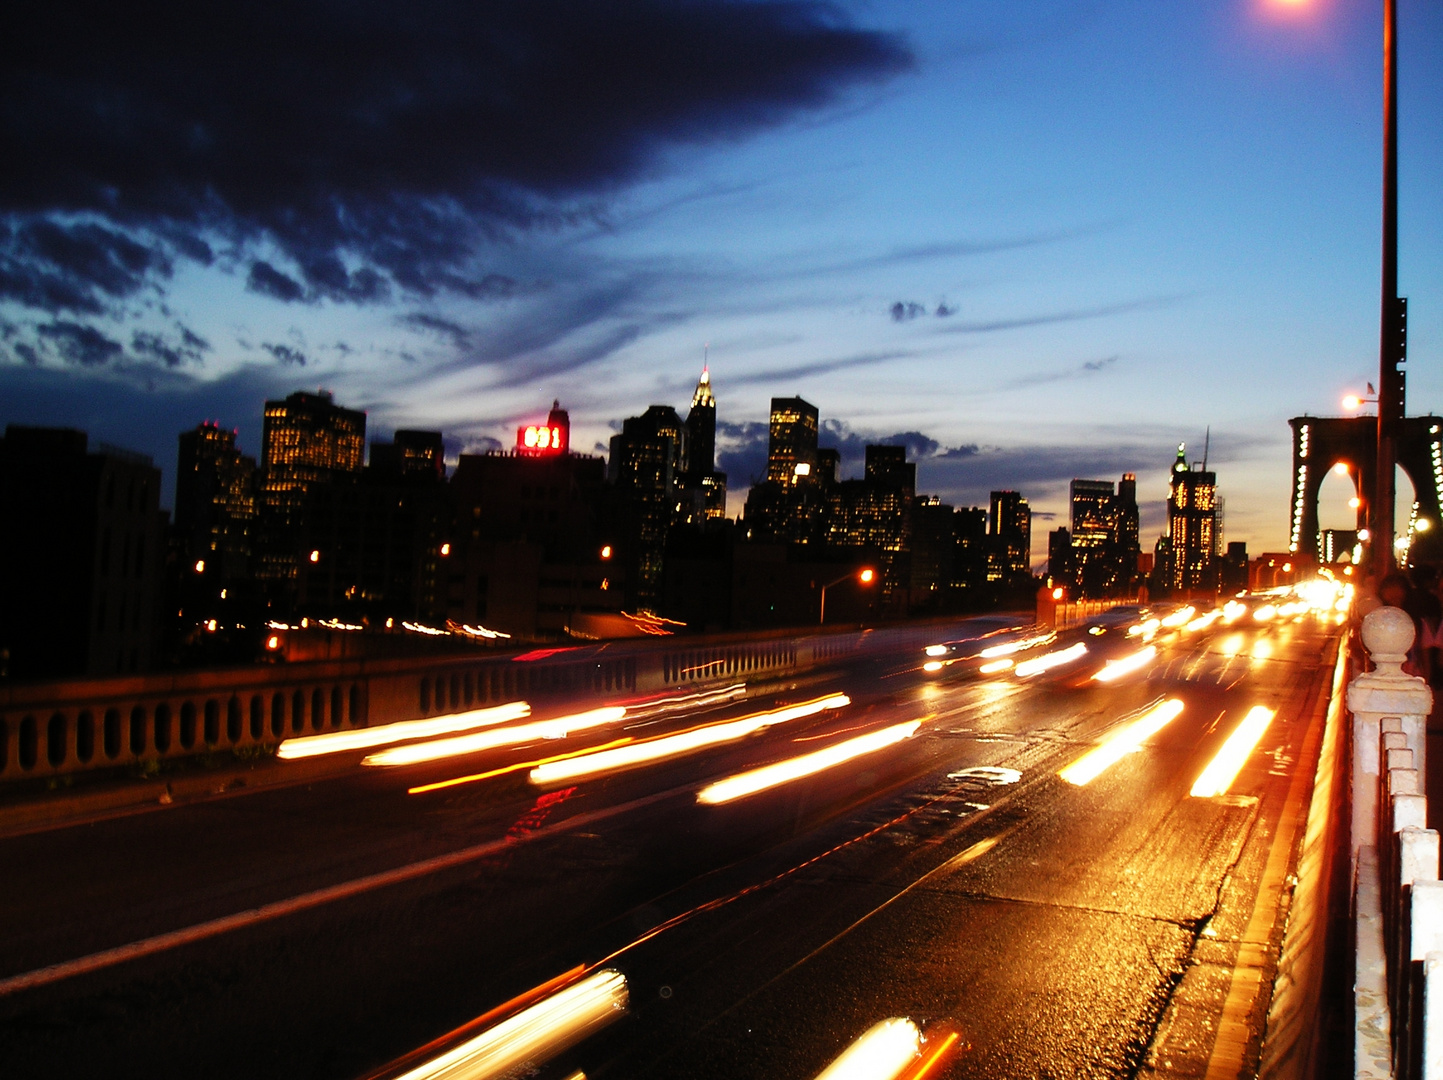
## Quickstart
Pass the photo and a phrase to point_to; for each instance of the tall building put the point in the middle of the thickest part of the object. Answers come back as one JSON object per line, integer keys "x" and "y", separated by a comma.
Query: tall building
{"x": 372, "y": 547}
{"x": 1010, "y": 530}
{"x": 307, "y": 440}
{"x": 645, "y": 472}
{"x": 875, "y": 513}
{"x": 215, "y": 507}
{"x": 80, "y": 555}
{"x": 411, "y": 453}
{"x": 1192, "y": 525}
{"x": 704, "y": 490}
{"x": 530, "y": 554}
{"x": 792, "y": 440}
{"x": 1103, "y": 555}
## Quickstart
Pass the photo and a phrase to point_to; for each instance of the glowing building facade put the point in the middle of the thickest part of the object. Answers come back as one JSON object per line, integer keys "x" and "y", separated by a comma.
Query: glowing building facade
{"x": 1192, "y": 525}
{"x": 307, "y": 440}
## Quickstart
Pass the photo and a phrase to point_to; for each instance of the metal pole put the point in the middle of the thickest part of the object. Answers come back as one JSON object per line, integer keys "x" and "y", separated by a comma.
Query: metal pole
{"x": 823, "y": 619}
{"x": 1390, "y": 390}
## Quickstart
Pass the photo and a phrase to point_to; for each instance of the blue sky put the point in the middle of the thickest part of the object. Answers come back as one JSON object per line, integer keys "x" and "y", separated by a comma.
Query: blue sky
{"x": 1046, "y": 239}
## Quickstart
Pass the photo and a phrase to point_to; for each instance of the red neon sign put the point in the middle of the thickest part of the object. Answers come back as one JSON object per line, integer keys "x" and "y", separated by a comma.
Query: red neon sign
{"x": 540, "y": 439}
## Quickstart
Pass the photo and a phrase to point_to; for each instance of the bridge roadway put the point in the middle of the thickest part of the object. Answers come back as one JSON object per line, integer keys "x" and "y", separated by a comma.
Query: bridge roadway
{"x": 1081, "y": 931}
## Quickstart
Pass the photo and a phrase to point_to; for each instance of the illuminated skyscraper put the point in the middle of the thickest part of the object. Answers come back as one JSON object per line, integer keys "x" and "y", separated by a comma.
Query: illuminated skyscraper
{"x": 1192, "y": 525}
{"x": 792, "y": 440}
{"x": 704, "y": 490}
{"x": 307, "y": 440}
{"x": 1010, "y": 529}
{"x": 215, "y": 505}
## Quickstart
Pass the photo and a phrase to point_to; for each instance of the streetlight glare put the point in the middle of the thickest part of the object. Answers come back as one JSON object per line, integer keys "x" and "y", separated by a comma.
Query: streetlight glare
{"x": 866, "y": 576}
{"x": 1352, "y": 401}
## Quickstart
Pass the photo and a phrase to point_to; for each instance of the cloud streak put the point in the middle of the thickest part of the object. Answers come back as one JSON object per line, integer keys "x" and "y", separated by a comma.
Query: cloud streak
{"x": 342, "y": 153}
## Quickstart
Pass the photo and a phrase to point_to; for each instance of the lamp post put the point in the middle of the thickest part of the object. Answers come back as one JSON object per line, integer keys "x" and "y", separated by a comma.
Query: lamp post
{"x": 1392, "y": 331}
{"x": 865, "y": 576}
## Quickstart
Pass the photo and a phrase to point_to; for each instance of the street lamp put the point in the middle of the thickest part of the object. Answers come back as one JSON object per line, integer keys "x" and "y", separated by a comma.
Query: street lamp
{"x": 864, "y": 576}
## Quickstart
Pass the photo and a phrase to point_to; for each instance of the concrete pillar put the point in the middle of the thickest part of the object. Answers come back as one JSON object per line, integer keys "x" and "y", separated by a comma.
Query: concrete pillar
{"x": 1386, "y": 692}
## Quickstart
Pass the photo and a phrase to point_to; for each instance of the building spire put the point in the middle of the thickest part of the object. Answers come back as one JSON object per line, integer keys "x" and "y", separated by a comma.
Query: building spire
{"x": 703, "y": 396}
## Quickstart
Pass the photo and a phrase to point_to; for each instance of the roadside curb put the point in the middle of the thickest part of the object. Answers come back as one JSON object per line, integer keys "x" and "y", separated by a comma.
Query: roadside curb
{"x": 1294, "y": 1031}
{"x": 122, "y": 797}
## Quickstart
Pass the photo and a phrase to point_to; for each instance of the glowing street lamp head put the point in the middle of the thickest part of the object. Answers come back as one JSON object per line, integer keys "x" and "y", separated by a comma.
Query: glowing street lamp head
{"x": 1352, "y": 401}
{"x": 866, "y": 576}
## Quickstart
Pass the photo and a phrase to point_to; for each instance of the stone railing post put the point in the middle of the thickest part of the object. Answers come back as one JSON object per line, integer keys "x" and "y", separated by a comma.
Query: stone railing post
{"x": 1385, "y": 692}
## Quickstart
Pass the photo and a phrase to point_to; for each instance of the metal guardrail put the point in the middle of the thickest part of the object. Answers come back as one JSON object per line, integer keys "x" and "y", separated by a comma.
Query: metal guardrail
{"x": 1397, "y": 897}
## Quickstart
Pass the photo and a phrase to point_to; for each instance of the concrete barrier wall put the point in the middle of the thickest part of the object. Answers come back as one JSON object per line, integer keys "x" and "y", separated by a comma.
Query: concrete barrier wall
{"x": 77, "y": 725}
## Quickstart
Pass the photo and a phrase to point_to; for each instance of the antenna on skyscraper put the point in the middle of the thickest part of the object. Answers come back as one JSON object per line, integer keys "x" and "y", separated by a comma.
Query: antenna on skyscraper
{"x": 706, "y": 356}
{"x": 1207, "y": 441}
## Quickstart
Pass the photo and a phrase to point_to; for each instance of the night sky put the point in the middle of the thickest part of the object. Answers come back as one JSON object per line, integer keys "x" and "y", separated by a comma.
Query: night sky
{"x": 1037, "y": 240}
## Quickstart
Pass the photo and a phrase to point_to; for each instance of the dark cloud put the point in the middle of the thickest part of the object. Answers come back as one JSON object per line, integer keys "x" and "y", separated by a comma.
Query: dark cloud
{"x": 1076, "y": 315}
{"x": 742, "y": 452}
{"x": 76, "y": 267}
{"x": 819, "y": 367}
{"x": 906, "y": 312}
{"x": 455, "y": 333}
{"x": 285, "y": 353}
{"x": 151, "y": 346}
{"x": 80, "y": 344}
{"x": 268, "y": 281}
{"x": 368, "y": 147}
{"x": 1043, "y": 378}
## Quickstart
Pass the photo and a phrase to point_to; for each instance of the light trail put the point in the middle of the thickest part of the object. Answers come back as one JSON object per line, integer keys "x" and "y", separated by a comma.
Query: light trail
{"x": 1010, "y": 647}
{"x": 1177, "y": 618}
{"x": 1223, "y": 769}
{"x": 683, "y": 742}
{"x": 518, "y": 766}
{"x": 516, "y": 734}
{"x": 932, "y": 1060}
{"x": 534, "y": 1035}
{"x": 992, "y": 667}
{"x": 1051, "y": 660}
{"x": 782, "y": 772}
{"x": 1116, "y": 669}
{"x": 337, "y": 742}
{"x": 883, "y": 1052}
{"x": 1125, "y": 740}
{"x": 648, "y": 710}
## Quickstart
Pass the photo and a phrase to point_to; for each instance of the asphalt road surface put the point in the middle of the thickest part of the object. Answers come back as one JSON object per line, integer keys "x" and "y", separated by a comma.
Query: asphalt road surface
{"x": 952, "y": 877}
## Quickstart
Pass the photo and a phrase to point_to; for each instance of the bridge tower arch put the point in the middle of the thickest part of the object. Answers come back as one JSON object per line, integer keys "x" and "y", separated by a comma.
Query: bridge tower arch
{"x": 1321, "y": 442}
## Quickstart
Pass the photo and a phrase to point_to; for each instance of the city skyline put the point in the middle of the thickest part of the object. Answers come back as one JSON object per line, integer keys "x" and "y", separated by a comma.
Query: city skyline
{"x": 966, "y": 230}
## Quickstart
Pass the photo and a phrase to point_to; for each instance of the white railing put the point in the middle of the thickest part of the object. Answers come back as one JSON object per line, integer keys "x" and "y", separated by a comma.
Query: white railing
{"x": 1397, "y": 897}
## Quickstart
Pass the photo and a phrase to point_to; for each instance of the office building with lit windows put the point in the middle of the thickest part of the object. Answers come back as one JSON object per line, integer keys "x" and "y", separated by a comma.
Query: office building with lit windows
{"x": 1010, "y": 531}
{"x": 307, "y": 440}
{"x": 1192, "y": 525}
{"x": 703, "y": 489}
{"x": 791, "y": 440}
{"x": 215, "y": 504}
